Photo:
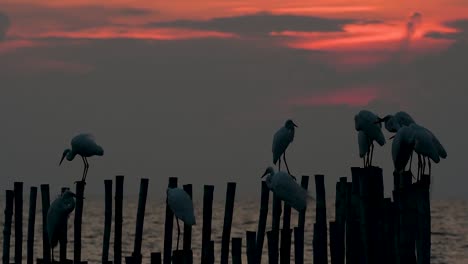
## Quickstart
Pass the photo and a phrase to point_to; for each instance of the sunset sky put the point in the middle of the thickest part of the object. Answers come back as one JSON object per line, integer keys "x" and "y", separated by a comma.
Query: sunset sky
{"x": 196, "y": 89}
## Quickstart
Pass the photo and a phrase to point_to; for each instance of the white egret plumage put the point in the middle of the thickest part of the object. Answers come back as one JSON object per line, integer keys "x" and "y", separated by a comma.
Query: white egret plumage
{"x": 394, "y": 122}
{"x": 281, "y": 140}
{"x": 369, "y": 124}
{"x": 285, "y": 188}
{"x": 420, "y": 140}
{"x": 57, "y": 217}
{"x": 182, "y": 206}
{"x": 85, "y": 146}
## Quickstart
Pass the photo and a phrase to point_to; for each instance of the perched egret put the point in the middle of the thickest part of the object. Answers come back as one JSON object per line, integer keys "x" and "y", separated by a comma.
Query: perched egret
{"x": 281, "y": 140}
{"x": 85, "y": 146}
{"x": 181, "y": 205}
{"x": 427, "y": 146}
{"x": 395, "y": 122}
{"x": 287, "y": 189}
{"x": 420, "y": 140}
{"x": 57, "y": 217}
{"x": 364, "y": 145}
{"x": 369, "y": 124}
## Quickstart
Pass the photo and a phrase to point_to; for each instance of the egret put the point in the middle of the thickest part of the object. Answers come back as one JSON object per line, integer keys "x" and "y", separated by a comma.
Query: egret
{"x": 395, "y": 122}
{"x": 85, "y": 146}
{"x": 182, "y": 206}
{"x": 281, "y": 140}
{"x": 420, "y": 140}
{"x": 369, "y": 124}
{"x": 285, "y": 188}
{"x": 364, "y": 145}
{"x": 57, "y": 217}
{"x": 427, "y": 146}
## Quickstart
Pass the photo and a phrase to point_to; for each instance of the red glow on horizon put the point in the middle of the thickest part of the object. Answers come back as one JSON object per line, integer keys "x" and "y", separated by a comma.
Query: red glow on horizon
{"x": 350, "y": 97}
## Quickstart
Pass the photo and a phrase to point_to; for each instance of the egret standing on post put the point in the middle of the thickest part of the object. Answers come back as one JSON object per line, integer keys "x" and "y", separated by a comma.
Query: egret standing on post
{"x": 85, "y": 146}
{"x": 287, "y": 189}
{"x": 57, "y": 217}
{"x": 368, "y": 123}
{"x": 182, "y": 206}
{"x": 281, "y": 140}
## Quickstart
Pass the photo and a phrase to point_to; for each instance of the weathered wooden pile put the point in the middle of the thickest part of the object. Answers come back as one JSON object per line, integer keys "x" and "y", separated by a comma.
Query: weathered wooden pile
{"x": 368, "y": 228}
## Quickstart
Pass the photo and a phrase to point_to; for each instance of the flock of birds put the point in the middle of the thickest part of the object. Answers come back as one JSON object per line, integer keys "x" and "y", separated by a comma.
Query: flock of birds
{"x": 409, "y": 137}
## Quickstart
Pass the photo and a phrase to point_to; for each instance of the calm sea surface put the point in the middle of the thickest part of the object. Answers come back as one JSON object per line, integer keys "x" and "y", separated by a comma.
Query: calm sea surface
{"x": 449, "y": 229}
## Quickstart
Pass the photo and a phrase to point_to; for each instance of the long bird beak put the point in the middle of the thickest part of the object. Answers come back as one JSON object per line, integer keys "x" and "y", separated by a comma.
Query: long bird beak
{"x": 295, "y": 125}
{"x": 63, "y": 157}
{"x": 380, "y": 120}
{"x": 392, "y": 137}
{"x": 265, "y": 173}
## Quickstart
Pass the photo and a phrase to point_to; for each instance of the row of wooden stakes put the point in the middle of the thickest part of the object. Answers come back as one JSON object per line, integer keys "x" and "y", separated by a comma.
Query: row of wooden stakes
{"x": 368, "y": 228}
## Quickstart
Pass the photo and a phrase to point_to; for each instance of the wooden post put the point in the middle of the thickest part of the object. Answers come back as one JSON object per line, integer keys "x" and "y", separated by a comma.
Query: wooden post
{"x": 388, "y": 233}
{"x": 275, "y": 226}
{"x": 340, "y": 220}
{"x": 210, "y": 253}
{"x": 168, "y": 225}
{"x": 7, "y": 225}
{"x": 136, "y": 255}
{"x": 107, "y": 220}
{"x": 353, "y": 237}
{"x": 251, "y": 247}
{"x": 156, "y": 258}
{"x": 78, "y": 218}
{"x": 188, "y": 228}
{"x": 371, "y": 211}
{"x": 285, "y": 249}
{"x": 64, "y": 240}
{"x": 299, "y": 234}
{"x": 236, "y": 250}
{"x": 407, "y": 219}
{"x": 207, "y": 214}
{"x": 228, "y": 211}
{"x": 320, "y": 226}
{"x": 299, "y": 245}
{"x": 177, "y": 257}
{"x": 423, "y": 241}
{"x": 118, "y": 219}
{"x": 272, "y": 247}
{"x": 265, "y": 196}
{"x": 334, "y": 236}
{"x": 45, "y": 208}
{"x": 31, "y": 224}
{"x": 18, "y": 190}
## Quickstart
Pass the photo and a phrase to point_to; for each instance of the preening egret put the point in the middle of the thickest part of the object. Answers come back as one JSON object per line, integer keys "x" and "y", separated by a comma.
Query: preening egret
{"x": 368, "y": 123}
{"x": 182, "y": 206}
{"x": 395, "y": 122}
{"x": 57, "y": 217}
{"x": 85, "y": 146}
{"x": 287, "y": 189}
{"x": 281, "y": 140}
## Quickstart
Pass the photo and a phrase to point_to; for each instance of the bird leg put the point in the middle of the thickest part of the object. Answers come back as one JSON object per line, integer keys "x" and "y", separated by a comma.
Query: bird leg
{"x": 429, "y": 165}
{"x": 87, "y": 168}
{"x": 419, "y": 166}
{"x": 52, "y": 254}
{"x": 371, "y": 154}
{"x": 410, "y": 161}
{"x": 424, "y": 167}
{"x": 178, "y": 232}
{"x": 284, "y": 158}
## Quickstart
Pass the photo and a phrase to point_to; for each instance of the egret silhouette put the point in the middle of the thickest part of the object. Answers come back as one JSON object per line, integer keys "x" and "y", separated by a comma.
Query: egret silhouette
{"x": 182, "y": 206}
{"x": 394, "y": 122}
{"x": 281, "y": 140}
{"x": 85, "y": 146}
{"x": 369, "y": 124}
{"x": 57, "y": 217}
{"x": 285, "y": 188}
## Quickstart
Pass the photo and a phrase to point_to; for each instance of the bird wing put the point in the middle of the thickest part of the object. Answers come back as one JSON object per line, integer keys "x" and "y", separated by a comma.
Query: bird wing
{"x": 402, "y": 147}
{"x": 85, "y": 145}
{"x": 440, "y": 149}
{"x": 363, "y": 142}
{"x": 404, "y": 119}
{"x": 281, "y": 140}
{"x": 289, "y": 191}
{"x": 181, "y": 205}
{"x": 424, "y": 144}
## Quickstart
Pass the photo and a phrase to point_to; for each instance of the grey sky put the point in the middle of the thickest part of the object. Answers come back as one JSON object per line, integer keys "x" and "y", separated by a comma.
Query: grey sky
{"x": 205, "y": 110}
